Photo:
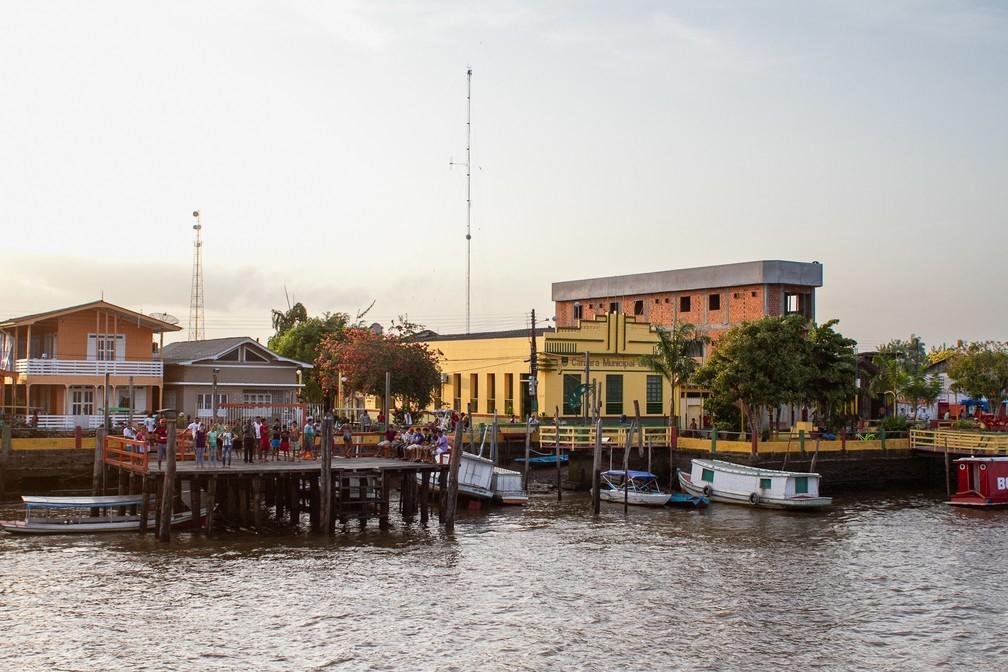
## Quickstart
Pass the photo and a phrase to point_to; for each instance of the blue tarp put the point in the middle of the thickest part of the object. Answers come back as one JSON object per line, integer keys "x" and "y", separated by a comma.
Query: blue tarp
{"x": 631, "y": 474}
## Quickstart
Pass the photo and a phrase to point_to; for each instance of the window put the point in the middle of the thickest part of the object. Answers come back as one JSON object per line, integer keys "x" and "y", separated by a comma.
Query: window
{"x": 81, "y": 400}
{"x": 457, "y": 391}
{"x": 572, "y": 394}
{"x": 614, "y": 307}
{"x": 735, "y": 295}
{"x": 796, "y": 303}
{"x": 654, "y": 395}
{"x": 474, "y": 392}
{"x": 577, "y": 311}
{"x": 204, "y": 405}
{"x": 260, "y": 398}
{"x": 764, "y": 484}
{"x": 638, "y": 307}
{"x": 658, "y": 301}
{"x": 684, "y": 304}
{"x": 695, "y": 348}
{"x": 714, "y": 302}
{"x": 106, "y": 347}
{"x": 509, "y": 394}
{"x": 753, "y": 294}
{"x": 491, "y": 393}
{"x": 614, "y": 394}
{"x": 801, "y": 485}
{"x": 707, "y": 475}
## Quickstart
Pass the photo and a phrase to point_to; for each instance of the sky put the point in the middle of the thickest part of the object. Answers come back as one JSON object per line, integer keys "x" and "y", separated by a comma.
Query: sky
{"x": 607, "y": 138}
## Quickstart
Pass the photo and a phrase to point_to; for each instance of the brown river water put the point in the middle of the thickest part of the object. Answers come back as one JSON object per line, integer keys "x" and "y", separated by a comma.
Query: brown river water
{"x": 880, "y": 582}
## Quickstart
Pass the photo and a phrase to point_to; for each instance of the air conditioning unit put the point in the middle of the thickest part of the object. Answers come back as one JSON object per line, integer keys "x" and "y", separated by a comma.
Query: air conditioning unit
{"x": 444, "y": 378}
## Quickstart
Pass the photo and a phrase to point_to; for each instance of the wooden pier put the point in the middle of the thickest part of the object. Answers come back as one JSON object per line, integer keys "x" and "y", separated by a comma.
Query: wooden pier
{"x": 272, "y": 493}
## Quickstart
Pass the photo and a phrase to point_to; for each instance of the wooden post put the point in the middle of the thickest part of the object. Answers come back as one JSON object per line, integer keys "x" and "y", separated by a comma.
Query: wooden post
{"x": 243, "y": 502}
{"x": 194, "y": 500}
{"x": 673, "y": 445}
{"x": 451, "y": 492}
{"x": 295, "y": 499}
{"x": 597, "y": 467}
{"x": 843, "y": 441}
{"x": 144, "y": 504}
{"x": 528, "y": 451}
{"x": 99, "y": 462}
{"x": 168, "y": 493}
{"x": 424, "y": 497}
{"x": 313, "y": 507}
{"x": 157, "y": 507}
{"x": 948, "y": 477}
{"x": 325, "y": 477}
{"x": 626, "y": 455}
{"x": 383, "y": 505}
{"x": 211, "y": 503}
{"x": 556, "y": 418}
{"x": 801, "y": 441}
{"x": 713, "y": 441}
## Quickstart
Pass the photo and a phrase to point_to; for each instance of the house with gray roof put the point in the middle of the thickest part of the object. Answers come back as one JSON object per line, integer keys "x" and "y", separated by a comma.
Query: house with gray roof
{"x": 248, "y": 373}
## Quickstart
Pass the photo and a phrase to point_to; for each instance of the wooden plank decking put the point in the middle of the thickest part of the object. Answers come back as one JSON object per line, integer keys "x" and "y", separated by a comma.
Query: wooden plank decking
{"x": 375, "y": 464}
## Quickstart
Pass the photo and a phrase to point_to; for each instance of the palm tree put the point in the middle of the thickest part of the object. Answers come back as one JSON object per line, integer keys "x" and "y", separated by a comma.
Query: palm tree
{"x": 892, "y": 378}
{"x": 675, "y": 358}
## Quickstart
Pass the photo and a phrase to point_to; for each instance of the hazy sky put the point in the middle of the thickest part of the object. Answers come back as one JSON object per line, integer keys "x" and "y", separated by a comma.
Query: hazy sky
{"x": 607, "y": 138}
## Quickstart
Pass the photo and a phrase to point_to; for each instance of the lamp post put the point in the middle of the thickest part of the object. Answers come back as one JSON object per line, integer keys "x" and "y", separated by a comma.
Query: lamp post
{"x": 300, "y": 374}
{"x": 339, "y": 392}
{"x": 213, "y": 397}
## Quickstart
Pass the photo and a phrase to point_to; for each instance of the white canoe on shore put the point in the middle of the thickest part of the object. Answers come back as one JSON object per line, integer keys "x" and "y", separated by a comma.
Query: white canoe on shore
{"x": 753, "y": 486}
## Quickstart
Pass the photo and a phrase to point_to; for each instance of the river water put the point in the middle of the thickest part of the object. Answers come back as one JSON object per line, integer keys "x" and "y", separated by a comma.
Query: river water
{"x": 898, "y": 582}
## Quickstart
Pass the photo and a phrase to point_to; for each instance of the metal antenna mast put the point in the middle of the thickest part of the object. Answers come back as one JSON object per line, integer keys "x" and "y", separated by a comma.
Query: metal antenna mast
{"x": 197, "y": 323}
{"x": 468, "y": 167}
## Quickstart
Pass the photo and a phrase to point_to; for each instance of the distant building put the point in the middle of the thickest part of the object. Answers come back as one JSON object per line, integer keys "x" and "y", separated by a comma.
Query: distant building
{"x": 54, "y": 364}
{"x": 248, "y": 373}
{"x": 713, "y": 298}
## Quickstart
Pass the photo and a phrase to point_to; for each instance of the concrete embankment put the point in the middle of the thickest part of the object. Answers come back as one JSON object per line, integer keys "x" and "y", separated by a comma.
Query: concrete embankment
{"x": 44, "y": 470}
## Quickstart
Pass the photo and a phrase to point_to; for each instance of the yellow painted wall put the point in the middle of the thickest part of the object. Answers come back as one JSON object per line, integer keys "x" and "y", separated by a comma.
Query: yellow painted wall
{"x": 51, "y": 444}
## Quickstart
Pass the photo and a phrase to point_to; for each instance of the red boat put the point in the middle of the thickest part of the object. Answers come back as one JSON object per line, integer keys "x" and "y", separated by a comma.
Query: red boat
{"x": 982, "y": 482}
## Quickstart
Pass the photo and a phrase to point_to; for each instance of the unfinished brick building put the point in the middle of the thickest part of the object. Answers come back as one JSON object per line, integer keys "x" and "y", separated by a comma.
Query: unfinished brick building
{"x": 711, "y": 297}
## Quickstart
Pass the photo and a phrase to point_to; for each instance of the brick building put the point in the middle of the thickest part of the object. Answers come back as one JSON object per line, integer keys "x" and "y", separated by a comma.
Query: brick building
{"x": 713, "y": 298}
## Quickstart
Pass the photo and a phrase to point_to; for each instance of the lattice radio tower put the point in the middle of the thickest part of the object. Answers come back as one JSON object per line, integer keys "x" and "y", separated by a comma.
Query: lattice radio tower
{"x": 197, "y": 323}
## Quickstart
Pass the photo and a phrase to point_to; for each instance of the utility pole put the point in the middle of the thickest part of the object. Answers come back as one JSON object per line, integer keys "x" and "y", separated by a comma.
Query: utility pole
{"x": 468, "y": 168}
{"x": 533, "y": 371}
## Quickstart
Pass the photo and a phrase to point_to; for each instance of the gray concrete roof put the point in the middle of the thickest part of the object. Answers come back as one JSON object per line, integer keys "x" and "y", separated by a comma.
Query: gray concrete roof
{"x": 509, "y": 333}
{"x": 771, "y": 272}
{"x": 183, "y": 352}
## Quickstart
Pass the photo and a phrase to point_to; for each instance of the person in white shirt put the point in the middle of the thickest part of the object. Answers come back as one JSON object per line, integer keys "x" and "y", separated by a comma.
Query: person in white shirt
{"x": 129, "y": 432}
{"x": 150, "y": 423}
{"x": 193, "y": 426}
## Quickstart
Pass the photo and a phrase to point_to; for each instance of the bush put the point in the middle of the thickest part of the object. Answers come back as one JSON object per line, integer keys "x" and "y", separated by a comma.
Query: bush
{"x": 899, "y": 423}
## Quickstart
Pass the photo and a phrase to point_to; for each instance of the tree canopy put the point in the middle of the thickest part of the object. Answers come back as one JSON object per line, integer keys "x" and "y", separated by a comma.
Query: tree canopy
{"x": 981, "y": 371}
{"x": 766, "y": 363}
{"x": 675, "y": 356}
{"x": 903, "y": 373}
{"x": 363, "y": 356}
{"x": 300, "y": 337}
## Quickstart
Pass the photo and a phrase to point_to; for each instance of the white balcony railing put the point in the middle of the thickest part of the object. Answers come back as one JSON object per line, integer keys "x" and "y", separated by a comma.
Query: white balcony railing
{"x": 67, "y": 423}
{"x": 87, "y": 367}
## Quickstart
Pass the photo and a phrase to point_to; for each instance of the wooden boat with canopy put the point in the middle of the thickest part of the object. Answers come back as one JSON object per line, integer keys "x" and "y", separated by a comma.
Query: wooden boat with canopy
{"x": 73, "y": 515}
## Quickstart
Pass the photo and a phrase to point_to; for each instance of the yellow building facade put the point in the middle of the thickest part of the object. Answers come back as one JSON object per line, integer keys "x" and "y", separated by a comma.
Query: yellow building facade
{"x": 492, "y": 372}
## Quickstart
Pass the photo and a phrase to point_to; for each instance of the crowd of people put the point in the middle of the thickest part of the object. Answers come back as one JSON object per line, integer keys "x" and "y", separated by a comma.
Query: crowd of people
{"x": 261, "y": 440}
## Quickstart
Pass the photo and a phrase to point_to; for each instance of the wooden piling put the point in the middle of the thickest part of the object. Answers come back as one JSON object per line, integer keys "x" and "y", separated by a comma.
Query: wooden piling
{"x": 948, "y": 475}
{"x": 451, "y": 492}
{"x": 257, "y": 501}
{"x": 211, "y": 503}
{"x": 424, "y": 497}
{"x": 168, "y": 491}
{"x": 528, "y": 453}
{"x": 158, "y": 489}
{"x": 313, "y": 502}
{"x": 383, "y": 504}
{"x": 196, "y": 505}
{"x": 325, "y": 481}
{"x": 295, "y": 499}
{"x": 597, "y": 468}
{"x": 144, "y": 504}
{"x": 556, "y": 418}
{"x": 243, "y": 503}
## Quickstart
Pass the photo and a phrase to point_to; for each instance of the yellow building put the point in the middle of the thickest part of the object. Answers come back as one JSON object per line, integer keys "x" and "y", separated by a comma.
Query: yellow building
{"x": 491, "y": 371}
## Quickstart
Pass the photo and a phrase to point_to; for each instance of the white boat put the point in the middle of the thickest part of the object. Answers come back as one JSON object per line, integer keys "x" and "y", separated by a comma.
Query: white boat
{"x": 478, "y": 478}
{"x": 639, "y": 488}
{"x": 71, "y": 515}
{"x": 507, "y": 487}
{"x": 741, "y": 484}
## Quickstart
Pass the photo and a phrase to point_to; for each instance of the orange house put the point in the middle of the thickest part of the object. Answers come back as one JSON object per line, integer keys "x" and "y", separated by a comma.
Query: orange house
{"x": 54, "y": 364}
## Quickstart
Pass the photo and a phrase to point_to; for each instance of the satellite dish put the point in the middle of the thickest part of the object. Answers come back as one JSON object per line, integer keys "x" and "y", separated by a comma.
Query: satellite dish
{"x": 165, "y": 317}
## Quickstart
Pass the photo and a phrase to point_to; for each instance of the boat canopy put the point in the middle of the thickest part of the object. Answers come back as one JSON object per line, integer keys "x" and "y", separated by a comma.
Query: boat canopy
{"x": 80, "y": 502}
{"x": 619, "y": 473}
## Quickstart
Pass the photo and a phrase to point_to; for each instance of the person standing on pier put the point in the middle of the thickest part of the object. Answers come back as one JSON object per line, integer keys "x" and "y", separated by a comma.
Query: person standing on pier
{"x": 212, "y": 444}
{"x": 275, "y": 440}
{"x": 264, "y": 442}
{"x": 285, "y": 442}
{"x": 308, "y": 440}
{"x": 200, "y": 444}
{"x": 227, "y": 443}
{"x": 295, "y": 442}
{"x": 248, "y": 443}
{"x": 161, "y": 437}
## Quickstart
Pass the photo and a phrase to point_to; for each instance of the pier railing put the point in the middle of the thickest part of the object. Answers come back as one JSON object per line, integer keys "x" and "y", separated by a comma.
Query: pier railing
{"x": 959, "y": 442}
{"x": 135, "y": 456}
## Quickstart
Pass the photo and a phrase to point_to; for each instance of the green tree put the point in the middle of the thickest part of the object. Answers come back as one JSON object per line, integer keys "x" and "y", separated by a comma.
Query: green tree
{"x": 760, "y": 364}
{"x": 830, "y": 370}
{"x": 300, "y": 337}
{"x": 675, "y": 358}
{"x": 903, "y": 373}
{"x": 981, "y": 371}
{"x": 892, "y": 378}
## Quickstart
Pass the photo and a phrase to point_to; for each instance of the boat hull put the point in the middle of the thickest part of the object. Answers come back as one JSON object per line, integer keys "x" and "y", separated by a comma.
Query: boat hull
{"x": 764, "y": 502}
{"x": 85, "y": 527}
{"x": 635, "y": 498}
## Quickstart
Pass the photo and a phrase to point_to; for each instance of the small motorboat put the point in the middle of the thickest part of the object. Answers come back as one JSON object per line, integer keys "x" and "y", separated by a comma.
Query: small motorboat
{"x": 72, "y": 515}
{"x": 545, "y": 459}
{"x": 981, "y": 482}
{"x": 639, "y": 488}
{"x": 753, "y": 486}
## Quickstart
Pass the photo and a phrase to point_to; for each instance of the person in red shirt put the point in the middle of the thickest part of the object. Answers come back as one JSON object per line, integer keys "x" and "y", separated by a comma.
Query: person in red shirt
{"x": 161, "y": 437}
